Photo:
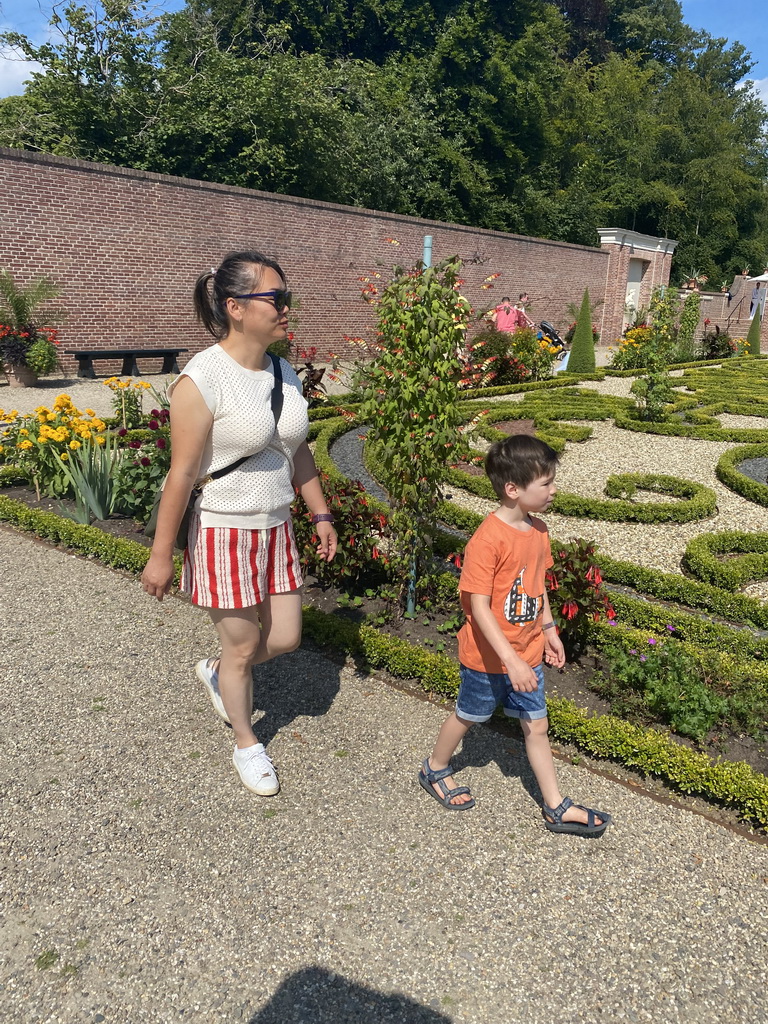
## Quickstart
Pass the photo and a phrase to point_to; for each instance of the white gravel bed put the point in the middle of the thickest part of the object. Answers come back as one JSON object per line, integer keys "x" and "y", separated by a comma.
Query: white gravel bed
{"x": 616, "y": 386}
{"x": 585, "y": 467}
{"x": 733, "y": 422}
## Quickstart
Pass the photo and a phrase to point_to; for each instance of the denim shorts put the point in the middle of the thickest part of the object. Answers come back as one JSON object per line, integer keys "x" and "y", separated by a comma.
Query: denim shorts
{"x": 481, "y": 693}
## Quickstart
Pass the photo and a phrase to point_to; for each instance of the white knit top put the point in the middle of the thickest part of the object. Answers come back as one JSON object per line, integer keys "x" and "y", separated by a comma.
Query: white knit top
{"x": 258, "y": 494}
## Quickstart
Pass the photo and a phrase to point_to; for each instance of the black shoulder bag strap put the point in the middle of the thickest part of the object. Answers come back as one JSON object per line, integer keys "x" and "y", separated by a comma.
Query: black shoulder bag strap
{"x": 276, "y": 403}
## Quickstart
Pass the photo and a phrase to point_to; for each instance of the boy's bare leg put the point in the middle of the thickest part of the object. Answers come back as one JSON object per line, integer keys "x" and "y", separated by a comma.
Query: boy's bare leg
{"x": 542, "y": 763}
{"x": 452, "y": 732}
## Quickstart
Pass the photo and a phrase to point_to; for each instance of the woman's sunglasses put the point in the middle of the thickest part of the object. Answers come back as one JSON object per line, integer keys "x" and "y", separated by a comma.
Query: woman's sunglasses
{"x": 279, "y": 297}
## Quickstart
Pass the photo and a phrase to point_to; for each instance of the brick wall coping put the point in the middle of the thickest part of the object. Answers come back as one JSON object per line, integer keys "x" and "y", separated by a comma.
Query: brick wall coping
{"x": 69, "y": 163}
{"x": 620, "y": 236}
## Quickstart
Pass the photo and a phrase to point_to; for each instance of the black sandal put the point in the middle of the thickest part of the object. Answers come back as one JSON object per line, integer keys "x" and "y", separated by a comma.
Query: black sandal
{"x": 427, "y": 777}
{"x": 576, "y": 828}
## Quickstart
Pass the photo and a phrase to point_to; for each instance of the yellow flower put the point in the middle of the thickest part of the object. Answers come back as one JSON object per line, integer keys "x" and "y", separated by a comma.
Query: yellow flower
{"x": 74, "y": 445}
{"x": 89, "y": 412}
{"x": 64, "y": 457}
{"x": 24, "y": 445}
{"x": 23, "y": 432}
{"x": 41, "y": 440}
{"x": 100, "y": 440}
{"x": 51, "y": 416}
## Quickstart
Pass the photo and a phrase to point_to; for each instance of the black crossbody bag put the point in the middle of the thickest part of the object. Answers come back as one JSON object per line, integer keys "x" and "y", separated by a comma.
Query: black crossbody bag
{"x": 182, "y": 536}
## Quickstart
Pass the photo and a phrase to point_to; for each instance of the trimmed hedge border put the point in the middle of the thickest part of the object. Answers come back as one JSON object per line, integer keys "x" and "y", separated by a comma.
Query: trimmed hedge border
{"x": 10, "y": 475}
{"x": 697, "y": 501}
{"x": 727, "y": 472}
{"x": 87, "y": 540}
{"x": 741, "y": 643}
{"x": 731, "y": 362}
{"x": 680, "y": 429}
{"x": 700, "y": 558}
{"x": 683, "y": 591}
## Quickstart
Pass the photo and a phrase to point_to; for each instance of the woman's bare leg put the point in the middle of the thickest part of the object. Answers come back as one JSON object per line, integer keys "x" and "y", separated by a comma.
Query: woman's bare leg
{"x": 251, "y": 636}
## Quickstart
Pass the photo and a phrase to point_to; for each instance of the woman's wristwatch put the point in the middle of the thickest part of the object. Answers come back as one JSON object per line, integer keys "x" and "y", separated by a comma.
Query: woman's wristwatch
{"x": 549, "y": 625}
{"x": 323, "y": 517}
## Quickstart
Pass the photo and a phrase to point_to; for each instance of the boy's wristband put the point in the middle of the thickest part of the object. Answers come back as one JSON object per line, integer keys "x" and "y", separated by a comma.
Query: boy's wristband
{"x": 548, "y": 625}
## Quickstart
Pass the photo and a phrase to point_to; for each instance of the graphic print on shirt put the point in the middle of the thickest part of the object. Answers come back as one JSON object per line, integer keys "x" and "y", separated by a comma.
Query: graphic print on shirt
{"x": 519, "y": 606}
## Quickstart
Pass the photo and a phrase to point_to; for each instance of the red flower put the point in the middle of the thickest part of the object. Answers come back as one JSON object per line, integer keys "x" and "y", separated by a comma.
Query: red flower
{"x": 570, "y": 610}
{"x": 593, "y": 575}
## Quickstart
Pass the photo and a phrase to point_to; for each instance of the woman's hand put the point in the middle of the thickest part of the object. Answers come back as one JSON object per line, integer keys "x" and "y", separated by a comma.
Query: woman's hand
{"x": 328, "y": 540}
{"x": 158, "y": 574}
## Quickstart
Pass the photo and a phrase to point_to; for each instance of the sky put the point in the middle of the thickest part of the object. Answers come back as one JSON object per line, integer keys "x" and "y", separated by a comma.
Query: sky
{"x": 744, "y": 21}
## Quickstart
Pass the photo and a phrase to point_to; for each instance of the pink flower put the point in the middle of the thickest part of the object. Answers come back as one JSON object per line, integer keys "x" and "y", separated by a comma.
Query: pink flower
{"x": 652, "y": 640}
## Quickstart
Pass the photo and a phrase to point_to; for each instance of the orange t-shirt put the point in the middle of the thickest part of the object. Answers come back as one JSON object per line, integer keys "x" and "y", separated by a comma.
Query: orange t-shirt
{"x": 507, "y": 565}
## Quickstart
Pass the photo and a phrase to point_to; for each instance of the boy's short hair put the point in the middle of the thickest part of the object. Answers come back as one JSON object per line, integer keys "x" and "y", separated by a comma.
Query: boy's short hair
{"x": 519, "y": 459}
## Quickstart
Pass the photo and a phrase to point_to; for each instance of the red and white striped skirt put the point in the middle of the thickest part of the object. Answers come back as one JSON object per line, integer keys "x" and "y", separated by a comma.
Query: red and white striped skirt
{"x": 230, "y": 568}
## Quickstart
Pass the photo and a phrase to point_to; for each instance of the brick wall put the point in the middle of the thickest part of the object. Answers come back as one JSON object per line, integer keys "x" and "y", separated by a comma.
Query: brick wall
{"x": 125, "y": 247}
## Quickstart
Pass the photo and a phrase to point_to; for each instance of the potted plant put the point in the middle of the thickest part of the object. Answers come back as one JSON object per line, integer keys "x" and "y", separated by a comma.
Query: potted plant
{"x": 27, "y": 339}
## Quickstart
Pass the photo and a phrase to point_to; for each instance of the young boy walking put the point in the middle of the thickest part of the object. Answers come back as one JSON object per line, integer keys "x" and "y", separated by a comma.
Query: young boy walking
{"x": 509, "y": 629}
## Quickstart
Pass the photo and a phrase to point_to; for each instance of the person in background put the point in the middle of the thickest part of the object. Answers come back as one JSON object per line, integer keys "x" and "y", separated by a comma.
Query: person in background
{"x": 241, "y": 563}
{"x": 505, "y": 316}
{"x": 523, "y": 320}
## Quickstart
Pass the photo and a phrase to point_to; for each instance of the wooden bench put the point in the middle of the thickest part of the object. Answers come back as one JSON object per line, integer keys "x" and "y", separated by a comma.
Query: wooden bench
{"x": 129, "y": 356}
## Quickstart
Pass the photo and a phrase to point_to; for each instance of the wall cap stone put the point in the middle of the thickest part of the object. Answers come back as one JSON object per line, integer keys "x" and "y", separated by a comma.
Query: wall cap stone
{"x": 645, "y": 243}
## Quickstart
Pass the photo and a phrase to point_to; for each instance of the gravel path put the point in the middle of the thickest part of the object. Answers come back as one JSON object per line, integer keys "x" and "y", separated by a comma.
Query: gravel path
{"x": 132, "y": 857}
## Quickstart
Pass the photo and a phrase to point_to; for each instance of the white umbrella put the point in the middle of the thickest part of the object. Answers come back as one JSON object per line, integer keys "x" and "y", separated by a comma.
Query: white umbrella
{"x": 762, "y": 278}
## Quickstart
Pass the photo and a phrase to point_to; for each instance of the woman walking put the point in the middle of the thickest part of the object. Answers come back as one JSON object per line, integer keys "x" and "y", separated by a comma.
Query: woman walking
{"x": 241, "y": 562}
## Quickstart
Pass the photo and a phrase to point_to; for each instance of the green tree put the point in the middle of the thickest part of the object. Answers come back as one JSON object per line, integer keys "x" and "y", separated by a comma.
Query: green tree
{"x": 409, "y": 399}
{"x": 582, "y": 357}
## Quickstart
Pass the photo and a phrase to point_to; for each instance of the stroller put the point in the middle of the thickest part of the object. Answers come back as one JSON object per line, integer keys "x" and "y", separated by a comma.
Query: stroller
{"x": 546, "y": 330}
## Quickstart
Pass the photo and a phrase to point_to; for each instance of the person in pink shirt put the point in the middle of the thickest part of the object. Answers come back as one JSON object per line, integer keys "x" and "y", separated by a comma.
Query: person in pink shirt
{"x": 506, "y": 316}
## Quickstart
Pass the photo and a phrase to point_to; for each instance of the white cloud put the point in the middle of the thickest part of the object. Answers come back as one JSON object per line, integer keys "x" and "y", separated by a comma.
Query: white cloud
{"x": 760, "y": 85}
{"x": 14, "y": 72}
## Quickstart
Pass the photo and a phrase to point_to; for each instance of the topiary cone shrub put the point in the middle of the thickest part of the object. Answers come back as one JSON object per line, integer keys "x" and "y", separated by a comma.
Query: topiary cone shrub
{"x": 753, "y": 335}
{"x": 582, "y": 358}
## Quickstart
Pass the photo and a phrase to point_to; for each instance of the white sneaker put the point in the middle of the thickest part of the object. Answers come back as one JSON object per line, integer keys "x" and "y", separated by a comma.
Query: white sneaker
{"x": 254, "y": 766}
{"x": 210, "y": 680}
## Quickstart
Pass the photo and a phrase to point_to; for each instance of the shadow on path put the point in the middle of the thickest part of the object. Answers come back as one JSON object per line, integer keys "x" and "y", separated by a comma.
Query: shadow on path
{"x": 316, "y": 996}
{"x": 306, "y": 687}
